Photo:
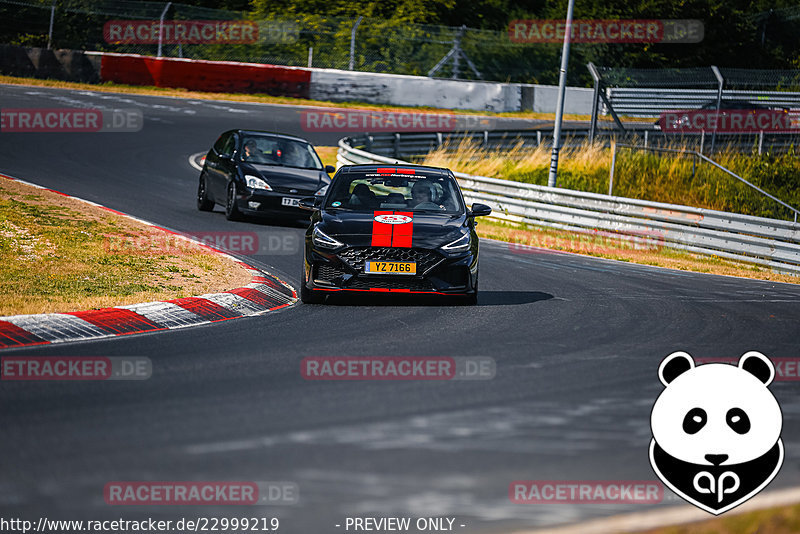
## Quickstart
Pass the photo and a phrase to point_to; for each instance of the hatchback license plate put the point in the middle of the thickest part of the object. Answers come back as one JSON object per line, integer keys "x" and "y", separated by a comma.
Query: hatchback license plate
{"x": 288, "y": 201}
{"x": 390, "y": 267}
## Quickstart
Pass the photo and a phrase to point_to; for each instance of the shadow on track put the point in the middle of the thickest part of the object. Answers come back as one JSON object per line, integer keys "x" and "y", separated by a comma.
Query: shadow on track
{"x": 509, "y": 298}
{"x": 485, "y": 298}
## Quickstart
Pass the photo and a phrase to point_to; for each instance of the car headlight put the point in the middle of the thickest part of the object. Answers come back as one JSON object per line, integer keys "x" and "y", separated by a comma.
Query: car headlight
{"x": 459, "y": 245}
{"x": 322, "y": 240}
{"x": 322, "y": 191}
{"x": 254, "y": 182}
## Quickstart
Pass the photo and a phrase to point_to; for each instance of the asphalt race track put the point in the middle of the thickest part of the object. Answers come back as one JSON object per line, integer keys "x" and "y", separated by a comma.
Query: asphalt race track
{"x": 577, "y": 342}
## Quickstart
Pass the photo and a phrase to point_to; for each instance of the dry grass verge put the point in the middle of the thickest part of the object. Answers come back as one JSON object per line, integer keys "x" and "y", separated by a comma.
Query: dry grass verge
{"x": 58, "y": 254}
{"x": 607, "y": 245}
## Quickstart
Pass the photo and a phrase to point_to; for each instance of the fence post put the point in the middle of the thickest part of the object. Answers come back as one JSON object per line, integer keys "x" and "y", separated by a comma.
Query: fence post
{"x": 552, "y": 175}
{"x": 645, "y": 139}
{"x": 397, "y": 145}
{"x": 721, "y": 84}
{"x": 161, "y": 27}
{"x": 613, "y": 164}
{"x": 702, "y": 140}
{"x": 353, "y": 43}
{"x": 760, "y": 141}
{"x": 50, "y": 31}
{"x": 310, "y": 56}
{"x": 595, "y": 100}
{"x": 538, "y": 137}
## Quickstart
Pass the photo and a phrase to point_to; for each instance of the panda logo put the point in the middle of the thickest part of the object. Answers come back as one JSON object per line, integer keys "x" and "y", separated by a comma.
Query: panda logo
{"x": 716, "y": 430}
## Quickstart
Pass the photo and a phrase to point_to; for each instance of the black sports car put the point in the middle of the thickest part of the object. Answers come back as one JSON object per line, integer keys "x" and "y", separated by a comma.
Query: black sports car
{"x": 391, "y": 229}
{"x": 260, "y": 173}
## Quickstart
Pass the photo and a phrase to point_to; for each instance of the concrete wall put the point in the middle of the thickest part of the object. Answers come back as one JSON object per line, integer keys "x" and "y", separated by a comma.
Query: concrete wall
{"x": 394, "y": 89}
{"x": 577, "y": 100}
{"x": 401, "y": 90}
{"x": 211, "y": 76}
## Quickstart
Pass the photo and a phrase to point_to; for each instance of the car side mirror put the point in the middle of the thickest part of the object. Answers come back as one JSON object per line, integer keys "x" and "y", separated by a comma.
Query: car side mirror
{"x": 310, "y": 203}
{"x": 480, "y": 210}
{"x": 330, "y": 168}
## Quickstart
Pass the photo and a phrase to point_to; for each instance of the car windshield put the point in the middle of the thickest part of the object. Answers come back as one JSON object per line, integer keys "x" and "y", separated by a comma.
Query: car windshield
{"x": 269, "y": 150}
{"x": 373, "y": 191}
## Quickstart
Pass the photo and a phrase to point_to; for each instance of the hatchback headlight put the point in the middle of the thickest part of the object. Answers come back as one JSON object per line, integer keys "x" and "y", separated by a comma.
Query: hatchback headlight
{"x": 322, "y": 191}
{"x": 459, "y": 245}
{"x": 254, "y": 182}
{"x": 323, "y": 240}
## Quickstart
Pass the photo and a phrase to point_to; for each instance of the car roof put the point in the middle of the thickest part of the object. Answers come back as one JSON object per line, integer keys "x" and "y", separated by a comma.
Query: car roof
{"x": 382, "y": 168}
{"x": 271, "y": 134}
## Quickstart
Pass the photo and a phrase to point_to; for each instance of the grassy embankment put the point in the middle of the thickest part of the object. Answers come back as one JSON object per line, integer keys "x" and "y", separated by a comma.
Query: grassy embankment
{"x": 59, "y": 254}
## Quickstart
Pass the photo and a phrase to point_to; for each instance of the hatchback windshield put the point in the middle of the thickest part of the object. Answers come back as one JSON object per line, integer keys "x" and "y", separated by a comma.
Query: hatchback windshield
{"x": 268, "y": 150}
{"x": 368, "y": 192}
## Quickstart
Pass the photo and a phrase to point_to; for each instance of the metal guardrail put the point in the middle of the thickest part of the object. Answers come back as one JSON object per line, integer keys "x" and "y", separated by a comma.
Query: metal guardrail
{"x": 651, "y": 102}
{"x": 405, "y": 145}
{"x": 768, "y": 242}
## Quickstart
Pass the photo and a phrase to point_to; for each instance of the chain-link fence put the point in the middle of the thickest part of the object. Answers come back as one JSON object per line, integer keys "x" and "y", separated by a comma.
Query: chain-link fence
{"x": 701, "y": 77}
{"x": 297, "y": 40}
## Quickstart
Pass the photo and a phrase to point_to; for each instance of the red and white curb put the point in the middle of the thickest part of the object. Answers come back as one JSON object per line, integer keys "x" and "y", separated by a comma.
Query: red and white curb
{"x": 263, "y": 294}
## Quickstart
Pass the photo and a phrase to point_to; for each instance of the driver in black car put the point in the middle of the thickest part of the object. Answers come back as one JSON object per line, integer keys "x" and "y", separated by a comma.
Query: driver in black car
{"x": 421, "y": 196}
{"x": 250, "y": 150}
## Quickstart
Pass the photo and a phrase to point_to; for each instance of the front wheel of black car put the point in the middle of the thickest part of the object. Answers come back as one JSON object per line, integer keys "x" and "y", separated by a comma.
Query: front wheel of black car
{"x": 203, "y": 202}
{"x": 232, "y": 212}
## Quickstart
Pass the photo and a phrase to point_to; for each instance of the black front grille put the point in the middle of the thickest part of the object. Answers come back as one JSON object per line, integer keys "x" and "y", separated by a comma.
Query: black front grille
{"x": 383, "y": 282}
{"x": 328, "y": 273}
{"x": 298, "y": 191}
{"x": 424, "y": 258}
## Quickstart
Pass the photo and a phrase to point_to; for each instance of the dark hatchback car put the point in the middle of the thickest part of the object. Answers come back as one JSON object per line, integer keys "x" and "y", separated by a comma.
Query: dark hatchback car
{"x": 401, "y": 229}
{"x": 251, "y": 172}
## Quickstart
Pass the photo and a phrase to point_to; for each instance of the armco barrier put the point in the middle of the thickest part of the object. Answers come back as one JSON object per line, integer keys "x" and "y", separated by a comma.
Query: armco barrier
{"x": 213, "y": 76}
{"x": 768, "y": 242}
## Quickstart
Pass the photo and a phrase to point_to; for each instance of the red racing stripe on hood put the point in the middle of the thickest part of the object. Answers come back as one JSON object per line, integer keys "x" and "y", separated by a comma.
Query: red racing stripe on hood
{"x": 381, "y": 232}
{"x": 402, "y": 233}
